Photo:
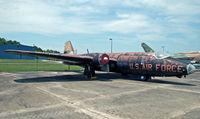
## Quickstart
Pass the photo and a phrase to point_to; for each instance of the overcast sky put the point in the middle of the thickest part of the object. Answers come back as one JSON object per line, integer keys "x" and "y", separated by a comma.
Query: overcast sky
{"x": 174, "y": 24}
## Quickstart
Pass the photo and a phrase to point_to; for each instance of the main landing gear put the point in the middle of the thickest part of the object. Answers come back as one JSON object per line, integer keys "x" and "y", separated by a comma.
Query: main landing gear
{"x": 145, "y": 78}
{"x": 89, "y": 72}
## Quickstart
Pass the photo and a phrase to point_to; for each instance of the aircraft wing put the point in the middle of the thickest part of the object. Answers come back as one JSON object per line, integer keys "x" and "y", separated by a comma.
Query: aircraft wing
{"x": 183, "y": 57}
{"x": 67, "y": 58}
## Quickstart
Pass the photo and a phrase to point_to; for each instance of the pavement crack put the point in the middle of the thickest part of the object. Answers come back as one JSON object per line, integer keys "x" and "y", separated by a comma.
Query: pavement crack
{"x": 83, "y": 109}
{"x": 182, "y": 90}
{"x": 29, "y": 110}
{"x": 183, "y": 112}
{"x": 123, "y": 93}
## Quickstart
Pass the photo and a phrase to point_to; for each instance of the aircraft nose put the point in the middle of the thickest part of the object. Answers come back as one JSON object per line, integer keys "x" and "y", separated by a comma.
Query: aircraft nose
{"x": 190, "y": 68}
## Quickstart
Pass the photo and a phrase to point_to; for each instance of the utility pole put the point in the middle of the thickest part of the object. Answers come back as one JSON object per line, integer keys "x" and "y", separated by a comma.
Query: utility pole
{"x": 163, "y": 47}
{"x": 111, "y": 44}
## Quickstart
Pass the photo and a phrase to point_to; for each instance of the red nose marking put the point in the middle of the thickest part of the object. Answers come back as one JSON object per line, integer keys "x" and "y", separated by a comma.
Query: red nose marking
{"x": 105, "y": 58}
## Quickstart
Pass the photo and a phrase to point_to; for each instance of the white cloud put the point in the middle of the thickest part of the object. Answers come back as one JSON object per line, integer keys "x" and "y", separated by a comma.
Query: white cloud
{"x": 127, "y": 23}
{"x": 99, "y": 16}
{"x": 144, "y": 37}
{"x": 40, "y": 17}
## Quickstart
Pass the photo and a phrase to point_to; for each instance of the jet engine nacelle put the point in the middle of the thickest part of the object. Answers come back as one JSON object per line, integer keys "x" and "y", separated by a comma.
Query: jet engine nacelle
{"x": 101, "y": 62}
{"x": 104, "y": 62}
{"x": 103, "y": 59}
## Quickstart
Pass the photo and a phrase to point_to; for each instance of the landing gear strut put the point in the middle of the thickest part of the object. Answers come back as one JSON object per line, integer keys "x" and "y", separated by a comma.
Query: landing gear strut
{"x": 148, "y": 78}
{"x": 89, "y": 72}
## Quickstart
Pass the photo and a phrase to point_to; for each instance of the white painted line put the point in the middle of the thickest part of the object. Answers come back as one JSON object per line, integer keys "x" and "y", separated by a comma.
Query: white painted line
{"x": 182, "y": 90}
{"x": 86, "y": 110}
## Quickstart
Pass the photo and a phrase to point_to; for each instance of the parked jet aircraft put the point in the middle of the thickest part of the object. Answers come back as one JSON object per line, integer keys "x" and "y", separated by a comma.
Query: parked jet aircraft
{"x": 143, "y": 64}
{"x": 191, "y": 57}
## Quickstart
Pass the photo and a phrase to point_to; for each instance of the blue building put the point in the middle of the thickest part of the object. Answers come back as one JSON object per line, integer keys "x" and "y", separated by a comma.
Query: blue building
{"x": 4, "y": 55}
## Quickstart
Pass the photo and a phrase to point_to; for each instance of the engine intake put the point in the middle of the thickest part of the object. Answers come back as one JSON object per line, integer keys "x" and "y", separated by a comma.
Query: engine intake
{"x": 104, "y": 59}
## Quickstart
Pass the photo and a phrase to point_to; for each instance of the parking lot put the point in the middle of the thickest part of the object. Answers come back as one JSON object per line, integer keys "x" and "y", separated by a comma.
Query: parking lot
{"x": 68, "y": 95}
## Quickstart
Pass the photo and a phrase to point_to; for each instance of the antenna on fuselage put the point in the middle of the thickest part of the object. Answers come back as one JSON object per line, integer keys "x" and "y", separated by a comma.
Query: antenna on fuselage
{"x": 88, "y": 51}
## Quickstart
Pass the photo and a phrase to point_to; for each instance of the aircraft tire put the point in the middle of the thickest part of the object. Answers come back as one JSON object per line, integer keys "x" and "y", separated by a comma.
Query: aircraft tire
{"x": 147, "y": 78}
{"x": 89, "y": 71}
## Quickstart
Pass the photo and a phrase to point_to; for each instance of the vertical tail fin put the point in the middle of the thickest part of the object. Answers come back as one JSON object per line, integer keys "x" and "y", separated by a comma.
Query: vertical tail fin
{"x": 147, "y": 48}
{"x": 69, "y": 48}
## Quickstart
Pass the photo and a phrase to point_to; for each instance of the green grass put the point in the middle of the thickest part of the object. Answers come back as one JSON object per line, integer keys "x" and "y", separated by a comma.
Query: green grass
{"x": 34, "y": 66}
{"x": 21, "y": 61}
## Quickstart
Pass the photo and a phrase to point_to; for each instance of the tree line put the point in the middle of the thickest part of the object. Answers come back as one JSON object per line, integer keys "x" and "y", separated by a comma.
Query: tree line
{"x": 8, "y": 42}
{"x": 38, "y": 49}
{"x": 3, "y": 41}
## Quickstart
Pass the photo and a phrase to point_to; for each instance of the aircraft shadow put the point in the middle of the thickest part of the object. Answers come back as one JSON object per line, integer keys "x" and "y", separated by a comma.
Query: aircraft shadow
{"x": 61, "y": 78}
{"x": 100, "y": 77}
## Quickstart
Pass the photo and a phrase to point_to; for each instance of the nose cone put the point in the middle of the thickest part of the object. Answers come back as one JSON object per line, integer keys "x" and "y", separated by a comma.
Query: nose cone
{"x": 190, "y": 68}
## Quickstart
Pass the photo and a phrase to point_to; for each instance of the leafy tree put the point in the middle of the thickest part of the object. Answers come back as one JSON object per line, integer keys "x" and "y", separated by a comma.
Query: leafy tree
{"x": 2, "y": 40}
{"x": 51, "y": 51}
{"x": 15, "y": 42}
{"x": 37, "y": 49}
{"x": 9, "y": 42}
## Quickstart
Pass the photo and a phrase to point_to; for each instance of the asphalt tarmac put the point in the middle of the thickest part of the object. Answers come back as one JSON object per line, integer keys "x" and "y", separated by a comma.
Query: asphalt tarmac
{"x": 68, "y": 95}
